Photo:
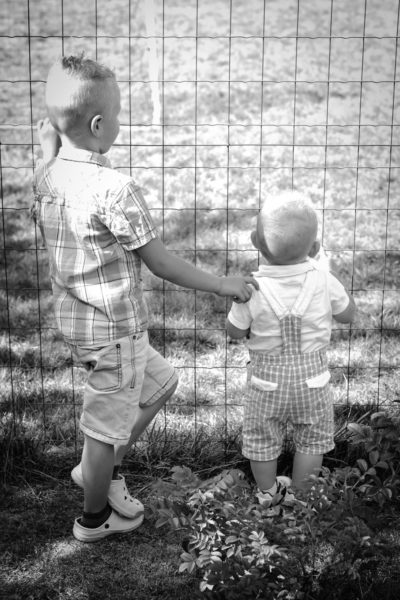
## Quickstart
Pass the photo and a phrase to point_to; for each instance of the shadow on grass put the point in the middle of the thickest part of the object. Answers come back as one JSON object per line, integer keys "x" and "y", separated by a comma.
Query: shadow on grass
{"x": 42, "y": 560}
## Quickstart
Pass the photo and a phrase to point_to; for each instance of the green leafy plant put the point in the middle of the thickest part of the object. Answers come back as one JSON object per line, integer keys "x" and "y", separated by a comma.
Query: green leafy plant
{"x": 376, "y": 475}
{"x": 223, "y": 539}
{"x": 240, "y": 549}
{"x": 243, "y": 550}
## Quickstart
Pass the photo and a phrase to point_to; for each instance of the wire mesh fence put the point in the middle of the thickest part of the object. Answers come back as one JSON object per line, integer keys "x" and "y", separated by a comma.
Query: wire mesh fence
{"x": 223, "y": 103}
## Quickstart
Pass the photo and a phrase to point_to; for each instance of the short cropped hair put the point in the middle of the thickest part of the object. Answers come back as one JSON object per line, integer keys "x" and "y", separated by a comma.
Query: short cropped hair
{"x": 290, "y": 226}
{"x": 72, "y": 91}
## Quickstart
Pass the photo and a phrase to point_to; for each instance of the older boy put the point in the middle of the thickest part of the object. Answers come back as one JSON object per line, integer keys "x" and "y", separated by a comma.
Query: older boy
{"x": 97, "y": 230}
{"x": 289, "y": 321}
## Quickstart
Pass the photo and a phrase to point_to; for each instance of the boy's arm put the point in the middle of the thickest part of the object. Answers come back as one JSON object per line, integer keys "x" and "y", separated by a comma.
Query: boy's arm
{"x": 49, "y": 139}
{"x": 347, "y": 315}
{"x": 176, "y": 270}
{"x": 234, "y": 332}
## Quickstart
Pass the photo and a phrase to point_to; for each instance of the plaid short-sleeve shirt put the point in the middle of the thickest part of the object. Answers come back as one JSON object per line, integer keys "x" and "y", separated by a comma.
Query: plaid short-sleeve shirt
{"x": 92, "y": 219}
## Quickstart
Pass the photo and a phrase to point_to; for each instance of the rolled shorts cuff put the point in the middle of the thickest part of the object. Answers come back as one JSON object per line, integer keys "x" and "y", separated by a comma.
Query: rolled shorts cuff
{"x": 264, "y": 456}
{"x": 172, "y": 381}
{"x": 321, "y": 449}
{"x": 102, "y": 437}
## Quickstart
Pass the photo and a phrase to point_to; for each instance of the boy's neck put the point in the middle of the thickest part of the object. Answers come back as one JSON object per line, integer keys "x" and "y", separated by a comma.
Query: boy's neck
{"x": 80, "y": 144}
{"x": 275, "y": 263}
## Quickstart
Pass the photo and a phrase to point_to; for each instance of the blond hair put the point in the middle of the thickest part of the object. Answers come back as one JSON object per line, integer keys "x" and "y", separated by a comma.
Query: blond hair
{"x": 73, "y": 91}
{"x": 290, "y": 226}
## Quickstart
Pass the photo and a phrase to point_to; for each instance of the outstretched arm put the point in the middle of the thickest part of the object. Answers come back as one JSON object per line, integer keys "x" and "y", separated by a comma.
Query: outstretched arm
{"x": 347, "y": 315}
{"x": 49, "y": 139}
{"x": 176, "y": 270}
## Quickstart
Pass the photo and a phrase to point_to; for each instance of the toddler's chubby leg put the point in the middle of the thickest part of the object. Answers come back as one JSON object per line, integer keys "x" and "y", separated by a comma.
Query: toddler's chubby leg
{"x": 305, "y": 465}
{"x": 49, "y": 139}
{"x": 264, "y": 473}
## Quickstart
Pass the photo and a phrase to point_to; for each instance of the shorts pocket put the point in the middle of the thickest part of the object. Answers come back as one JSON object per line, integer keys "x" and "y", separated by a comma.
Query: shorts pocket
{"x": 105, "y": 371}
{"x": 262, "y": 384}
{"x": 318, "y": 381}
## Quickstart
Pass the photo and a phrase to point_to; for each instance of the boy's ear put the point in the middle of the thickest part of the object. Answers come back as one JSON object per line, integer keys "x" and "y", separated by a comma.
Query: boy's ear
{"x": 314, "y": 249}
{"x": 96, "y": 125}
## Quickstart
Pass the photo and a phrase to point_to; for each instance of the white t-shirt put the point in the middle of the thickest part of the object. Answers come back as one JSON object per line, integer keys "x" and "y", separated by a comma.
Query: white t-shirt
{"x": 330, "y": 298}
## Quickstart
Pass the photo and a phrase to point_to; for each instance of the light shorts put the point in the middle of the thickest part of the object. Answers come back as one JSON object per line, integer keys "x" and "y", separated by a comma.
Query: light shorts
{"x": 269, "y": 406}
{"x": 124, "y": 376}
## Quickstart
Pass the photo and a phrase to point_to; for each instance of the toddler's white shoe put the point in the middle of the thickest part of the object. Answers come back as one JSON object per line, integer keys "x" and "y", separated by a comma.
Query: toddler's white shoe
{"x": 118, "y": 496}
{"x": 283, "y": 494}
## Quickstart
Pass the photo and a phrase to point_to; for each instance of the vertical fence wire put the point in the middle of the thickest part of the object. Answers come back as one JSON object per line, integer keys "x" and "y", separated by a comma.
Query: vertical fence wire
{"x": 295, "y": 91}
{"x": 326, "y": 122}
{"x": 228, "y": 175}
{"x": 163, "y": 161}
{"x": 392, "y": 127}
{"x": 8, "y": 357}
{"x": 38, "y": 294}
{"x": 360, "y": 106}
{"x": 196, "y": 340}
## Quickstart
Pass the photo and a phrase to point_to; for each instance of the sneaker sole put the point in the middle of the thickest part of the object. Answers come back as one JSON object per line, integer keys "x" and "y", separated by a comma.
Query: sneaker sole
{"x": 81, "y": 534}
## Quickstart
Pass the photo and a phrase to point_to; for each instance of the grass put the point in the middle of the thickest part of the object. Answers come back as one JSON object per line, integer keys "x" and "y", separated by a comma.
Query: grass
{"x": 41, "y": 559}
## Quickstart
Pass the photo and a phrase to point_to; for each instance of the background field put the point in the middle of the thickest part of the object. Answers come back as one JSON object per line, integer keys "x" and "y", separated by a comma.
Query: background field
{"x": 223, "y": 103}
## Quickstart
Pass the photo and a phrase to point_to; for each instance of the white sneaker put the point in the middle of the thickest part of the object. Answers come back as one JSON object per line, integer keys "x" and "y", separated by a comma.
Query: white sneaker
{"x": 118, "y": 496}
{"x": 283, "y": 494}
{"x": 114, "y": 524}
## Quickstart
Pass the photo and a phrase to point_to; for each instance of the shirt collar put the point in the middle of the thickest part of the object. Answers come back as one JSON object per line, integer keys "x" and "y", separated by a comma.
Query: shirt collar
{"x": 285, "y": 270}
{"x": 80, "y": 155}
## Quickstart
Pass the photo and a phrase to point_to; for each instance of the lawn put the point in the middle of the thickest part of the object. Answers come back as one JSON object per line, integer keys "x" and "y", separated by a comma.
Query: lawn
{"x": 223, "y": 103}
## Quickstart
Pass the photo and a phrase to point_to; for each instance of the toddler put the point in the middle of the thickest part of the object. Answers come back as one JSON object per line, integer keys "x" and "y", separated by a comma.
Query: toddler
{"x": 288, "y": 320}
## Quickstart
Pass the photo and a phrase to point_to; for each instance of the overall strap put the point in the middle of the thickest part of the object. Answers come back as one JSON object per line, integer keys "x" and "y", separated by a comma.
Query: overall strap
{"x": 302, "y": 301}
{"x": 271, "y": 297}
{"x": 306, "y": 293}
{"x": 290, "y": 319}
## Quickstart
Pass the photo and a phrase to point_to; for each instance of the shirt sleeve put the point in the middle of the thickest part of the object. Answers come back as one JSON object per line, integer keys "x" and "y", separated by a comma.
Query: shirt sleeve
{"x": 338, "y": 295}
{"x": 240, "y": 315}
{"x": 130, "y": 220}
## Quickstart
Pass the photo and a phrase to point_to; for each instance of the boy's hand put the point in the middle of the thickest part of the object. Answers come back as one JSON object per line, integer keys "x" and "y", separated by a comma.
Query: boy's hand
{"x": 49, "y": 139}
{"x": 238, "y": 287}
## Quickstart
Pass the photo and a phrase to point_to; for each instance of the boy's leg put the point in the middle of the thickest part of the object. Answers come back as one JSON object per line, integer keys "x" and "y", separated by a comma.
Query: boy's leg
{"x": 98, "y": 519}
{"x": 97, "y": 465}
{"x": 305, "y": 465}
{"x": 264, "y": 473}
{"x": 145, "y": 415}
{"x": 120, "y": 401}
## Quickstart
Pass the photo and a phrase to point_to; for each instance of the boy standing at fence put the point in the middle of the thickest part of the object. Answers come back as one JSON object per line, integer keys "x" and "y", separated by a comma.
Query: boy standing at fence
{"x": 289, "y": 322}
{"x": 97, "y": 229}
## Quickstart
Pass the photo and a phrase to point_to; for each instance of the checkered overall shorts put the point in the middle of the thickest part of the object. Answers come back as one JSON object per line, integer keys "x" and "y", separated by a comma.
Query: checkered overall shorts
{"x": 291, "y": 387}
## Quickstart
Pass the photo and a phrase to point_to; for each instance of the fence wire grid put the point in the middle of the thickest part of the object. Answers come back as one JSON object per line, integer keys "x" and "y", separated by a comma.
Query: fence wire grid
{"x": 224, "y": 102}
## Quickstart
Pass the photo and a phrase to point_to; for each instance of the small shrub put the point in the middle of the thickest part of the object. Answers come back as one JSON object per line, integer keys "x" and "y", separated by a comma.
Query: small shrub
{"x": 376, "y": 476}
{"x": 242, "y": 550}
{"x": 223, "y": 541}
